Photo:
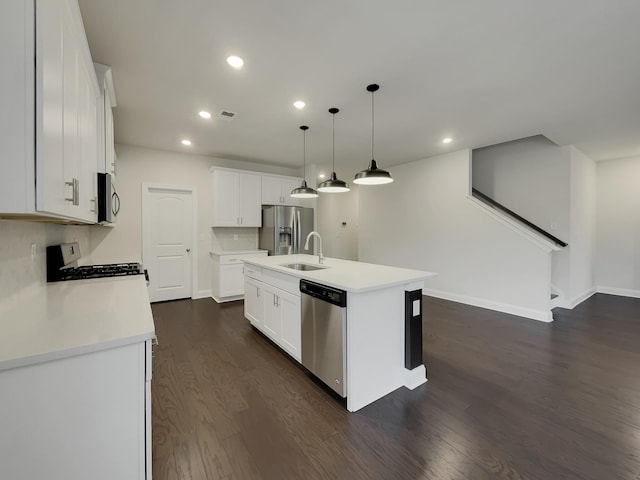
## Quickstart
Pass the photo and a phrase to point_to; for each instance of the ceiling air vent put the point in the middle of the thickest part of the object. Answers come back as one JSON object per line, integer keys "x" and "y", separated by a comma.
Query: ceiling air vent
{"x": 227, "y": 115}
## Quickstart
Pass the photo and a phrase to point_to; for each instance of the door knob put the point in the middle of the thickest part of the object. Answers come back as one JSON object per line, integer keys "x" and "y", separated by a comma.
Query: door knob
{"x": 188, "y": 250}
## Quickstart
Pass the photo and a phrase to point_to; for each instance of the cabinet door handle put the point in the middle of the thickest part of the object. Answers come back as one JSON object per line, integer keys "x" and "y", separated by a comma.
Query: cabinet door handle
{"x": 115, "y": 208}
{"x": 70, "y": 184}
{"x": 75, "y": 191}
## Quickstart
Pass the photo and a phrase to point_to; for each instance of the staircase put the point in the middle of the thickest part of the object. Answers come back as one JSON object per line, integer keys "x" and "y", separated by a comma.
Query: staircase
{"x": 523, "y": 221}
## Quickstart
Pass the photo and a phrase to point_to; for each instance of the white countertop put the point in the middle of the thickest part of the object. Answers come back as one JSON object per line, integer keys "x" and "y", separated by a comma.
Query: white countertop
{"x": 69, "y": 318}
{"x": 351, "y": 276}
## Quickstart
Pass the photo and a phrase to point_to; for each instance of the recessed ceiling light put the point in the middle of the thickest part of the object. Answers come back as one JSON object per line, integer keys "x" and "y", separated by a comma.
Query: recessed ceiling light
{"x": 235, "y": 62}
{"x": 186, "y": 142}
{"x": 299, "y": 104}
{"x": 204, "y": 114}
{"x": 322, "y": 175}
{"x": 447, "y": 140}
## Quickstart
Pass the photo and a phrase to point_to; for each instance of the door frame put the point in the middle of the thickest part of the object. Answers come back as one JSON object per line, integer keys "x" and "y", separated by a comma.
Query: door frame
{"x": 193, "y": 191}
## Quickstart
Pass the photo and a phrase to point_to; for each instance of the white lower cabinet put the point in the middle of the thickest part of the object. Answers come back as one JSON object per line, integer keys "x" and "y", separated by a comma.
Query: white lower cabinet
{"x": 253, "y": 305}
{"x": 272, "y": 314}
{"x": 227, "y": 281}
{"x": 80, "y": 417}
{"x": 290, "y": 337}
{"x": 231, "y": 280}
{"x": 276, "y": 313}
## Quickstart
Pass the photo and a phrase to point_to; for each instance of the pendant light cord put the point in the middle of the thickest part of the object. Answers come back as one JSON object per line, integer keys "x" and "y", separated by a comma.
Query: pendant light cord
{"x": 333, "y": 163}
{"x": 304, "y": 154}
{"x": 373, "y": 123}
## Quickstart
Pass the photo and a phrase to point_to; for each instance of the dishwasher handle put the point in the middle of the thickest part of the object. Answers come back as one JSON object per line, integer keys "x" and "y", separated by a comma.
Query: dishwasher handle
{"x": 325, "y": 293}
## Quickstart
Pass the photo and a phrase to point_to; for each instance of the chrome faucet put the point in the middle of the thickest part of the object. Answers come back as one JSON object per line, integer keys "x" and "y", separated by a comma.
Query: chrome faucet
{"x": 306, "y": 245}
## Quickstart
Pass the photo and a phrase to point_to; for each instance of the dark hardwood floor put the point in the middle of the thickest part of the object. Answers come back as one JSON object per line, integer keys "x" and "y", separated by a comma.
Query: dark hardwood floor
{"x": 506, "y": 398}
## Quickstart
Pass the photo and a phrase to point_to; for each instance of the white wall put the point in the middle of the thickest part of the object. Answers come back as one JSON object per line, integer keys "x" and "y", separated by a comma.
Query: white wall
{"x": 532, "y": 177}
{"x": 617, "y": 265}
{"x": 424, "y": 220}
{"x": 137, "y": 165}
{"x": 17, "y": 271}
{"x": 334, "y": 209}
{"x": 583, "y": 227}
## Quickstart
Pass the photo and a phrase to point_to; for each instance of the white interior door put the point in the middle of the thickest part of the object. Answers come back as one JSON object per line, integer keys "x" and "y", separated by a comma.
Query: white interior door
{"x": 168, "y": 216}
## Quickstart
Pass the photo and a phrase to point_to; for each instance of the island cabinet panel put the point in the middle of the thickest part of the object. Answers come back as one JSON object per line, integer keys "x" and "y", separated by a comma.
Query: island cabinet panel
{"x": 236, "y": 199}
{"x": 290, "y": 338}
{"x": 272, "y": 317}
{"x": 253, "y": 305}
{"x": 276, "y": 313}
{"x": 79, "y": 417}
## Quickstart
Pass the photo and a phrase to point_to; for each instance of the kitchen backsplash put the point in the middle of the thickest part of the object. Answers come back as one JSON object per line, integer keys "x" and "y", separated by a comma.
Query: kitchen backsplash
{"x": 227, "y": 238}
{"x": 18, "y": 271}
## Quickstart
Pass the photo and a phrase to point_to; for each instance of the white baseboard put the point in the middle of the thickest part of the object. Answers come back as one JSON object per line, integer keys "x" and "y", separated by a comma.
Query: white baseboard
{"x": 415, "y": 377}
{"x": 540, "y": 315}
{"x": 622, "y": 292}
{"x": 578, "y": 299}
{"x": 202, "y": 294}
{"x": 227, "y": 299}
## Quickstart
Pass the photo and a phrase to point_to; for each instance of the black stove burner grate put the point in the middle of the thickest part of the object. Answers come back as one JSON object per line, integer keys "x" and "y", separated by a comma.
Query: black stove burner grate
{"x": 100, "y": 271}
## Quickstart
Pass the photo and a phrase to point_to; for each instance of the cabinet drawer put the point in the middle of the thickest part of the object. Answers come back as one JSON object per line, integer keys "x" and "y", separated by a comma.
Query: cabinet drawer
{"x": 230, "y": 259}
{"x": 288, "y": 283}
{"x": 253, "y": 272}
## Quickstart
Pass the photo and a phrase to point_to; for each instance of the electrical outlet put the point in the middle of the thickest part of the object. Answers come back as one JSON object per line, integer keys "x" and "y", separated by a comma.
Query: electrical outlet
{"x": 33, "y": 252}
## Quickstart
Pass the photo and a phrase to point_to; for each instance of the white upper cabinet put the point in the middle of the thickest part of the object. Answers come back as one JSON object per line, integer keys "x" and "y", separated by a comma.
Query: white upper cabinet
{"x": 48, "y": 128}
{"x": 106, "y": 102}
{"x": 236, "y": 198}
{"x": 276, "y": 190}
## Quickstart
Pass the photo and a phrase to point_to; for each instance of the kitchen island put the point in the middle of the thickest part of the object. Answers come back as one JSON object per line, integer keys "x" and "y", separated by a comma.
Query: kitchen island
{"x": 75, "y": 381}
{"x": 375, "y": 317}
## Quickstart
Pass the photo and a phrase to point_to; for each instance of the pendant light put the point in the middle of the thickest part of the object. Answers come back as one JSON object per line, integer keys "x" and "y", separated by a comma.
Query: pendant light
{"x": 333, "y": 185}
{"x": 303, "y": 191}
{"x": 372, "y": 175}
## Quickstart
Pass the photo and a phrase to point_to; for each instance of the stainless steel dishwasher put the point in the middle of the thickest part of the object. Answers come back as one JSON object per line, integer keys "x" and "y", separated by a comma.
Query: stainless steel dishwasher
{"x": 324, "y": 333}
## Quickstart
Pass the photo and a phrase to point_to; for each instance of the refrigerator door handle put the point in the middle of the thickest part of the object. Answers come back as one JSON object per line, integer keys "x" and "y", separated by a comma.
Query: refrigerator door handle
{"x": 298, "y": 232}
{"x": 294, "y": 234}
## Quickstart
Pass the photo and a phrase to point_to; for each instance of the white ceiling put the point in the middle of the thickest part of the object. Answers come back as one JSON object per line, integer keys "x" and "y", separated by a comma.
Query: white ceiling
{"x": 482, "y": 72}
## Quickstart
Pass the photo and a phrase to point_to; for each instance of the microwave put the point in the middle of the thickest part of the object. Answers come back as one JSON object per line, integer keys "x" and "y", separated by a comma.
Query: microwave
{"x": 108, "y": 199}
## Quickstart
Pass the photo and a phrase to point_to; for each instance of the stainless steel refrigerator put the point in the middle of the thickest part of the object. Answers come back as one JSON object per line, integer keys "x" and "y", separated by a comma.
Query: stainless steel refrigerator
{"x": 285, "y": 229}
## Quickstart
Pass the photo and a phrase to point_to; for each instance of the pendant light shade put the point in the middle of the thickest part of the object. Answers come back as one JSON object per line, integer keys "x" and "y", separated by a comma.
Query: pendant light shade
{"x": 372, "y": 175}
{"x": 303, "y": 191}
{"x": 333, "y": 185}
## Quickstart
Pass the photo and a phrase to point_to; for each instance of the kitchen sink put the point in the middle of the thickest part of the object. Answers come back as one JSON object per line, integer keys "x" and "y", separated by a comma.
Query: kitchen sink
{"x": 305, "y": 267}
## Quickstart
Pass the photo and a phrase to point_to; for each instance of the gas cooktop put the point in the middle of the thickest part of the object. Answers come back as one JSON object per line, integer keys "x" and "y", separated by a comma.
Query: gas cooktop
{"x": 99, "y": 271}
{"x": 62, "y": 264}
